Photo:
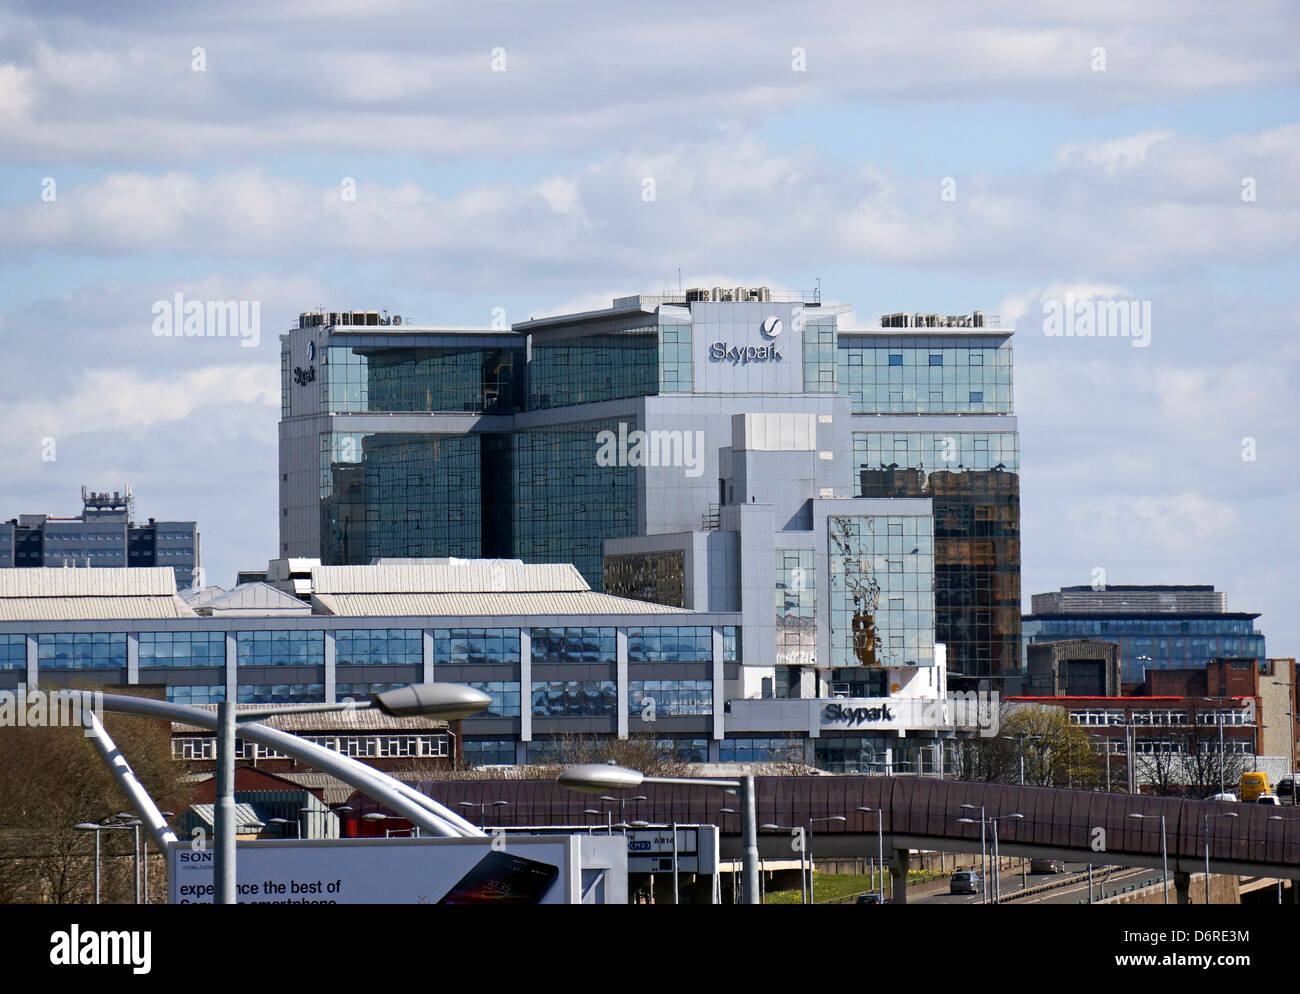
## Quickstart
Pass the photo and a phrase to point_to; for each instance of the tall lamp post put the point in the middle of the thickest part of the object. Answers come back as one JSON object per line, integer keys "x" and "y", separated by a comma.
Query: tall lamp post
{"x": 812, "y": 885}
{"x": 594, "y": 778}
{"x": 997, "y": 856}
{"x": 1164, "y": 852}
{"x": 1205, "y": 819}
{"x": 880, "y": 847}
{"x": 483, "y": 806}
{"x": 803, "y": 854}
{"x": 435, "y": 700}
{"x": 984, "y": 868}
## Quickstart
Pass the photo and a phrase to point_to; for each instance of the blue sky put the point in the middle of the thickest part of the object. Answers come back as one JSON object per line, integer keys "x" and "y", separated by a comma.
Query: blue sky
{"x": 522, "y": 189}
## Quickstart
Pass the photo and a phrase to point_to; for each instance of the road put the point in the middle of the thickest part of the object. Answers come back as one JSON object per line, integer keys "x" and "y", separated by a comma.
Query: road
{"x": 1071, "y": 894}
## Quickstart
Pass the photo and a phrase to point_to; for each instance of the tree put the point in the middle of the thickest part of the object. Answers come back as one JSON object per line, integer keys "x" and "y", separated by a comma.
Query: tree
{"x": 1056, "y": 752}
{"x": 51, "y": 779}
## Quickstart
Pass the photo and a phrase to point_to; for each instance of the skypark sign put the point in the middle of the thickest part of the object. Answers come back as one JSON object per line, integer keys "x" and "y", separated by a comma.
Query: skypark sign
{"x": 739, "y": 355}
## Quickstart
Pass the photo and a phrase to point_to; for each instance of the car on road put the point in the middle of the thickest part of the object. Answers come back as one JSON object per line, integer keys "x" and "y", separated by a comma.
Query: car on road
{"x": 1285, "y": 787}
{"x": 869, "y": 899}
{"x": 1223, "y": 797}
{"x": 965, "y": 882}
{"x": 1046, "y": 866}
{"x": 1268, "y": 799}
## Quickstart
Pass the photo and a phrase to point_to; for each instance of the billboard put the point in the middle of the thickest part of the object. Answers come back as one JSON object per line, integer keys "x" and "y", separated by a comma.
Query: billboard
{"x": 496, "y": 871}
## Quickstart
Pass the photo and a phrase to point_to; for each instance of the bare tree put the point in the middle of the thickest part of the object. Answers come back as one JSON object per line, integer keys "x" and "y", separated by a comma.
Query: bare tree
{"x": 51, "y": 779}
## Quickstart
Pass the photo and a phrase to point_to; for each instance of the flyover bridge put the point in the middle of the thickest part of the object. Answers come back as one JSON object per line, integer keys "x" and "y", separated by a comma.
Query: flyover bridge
{"x": 919, "y": 813}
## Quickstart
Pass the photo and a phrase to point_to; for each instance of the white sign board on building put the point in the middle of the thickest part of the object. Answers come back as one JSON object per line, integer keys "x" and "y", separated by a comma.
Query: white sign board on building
{"x": 499, "y": 871}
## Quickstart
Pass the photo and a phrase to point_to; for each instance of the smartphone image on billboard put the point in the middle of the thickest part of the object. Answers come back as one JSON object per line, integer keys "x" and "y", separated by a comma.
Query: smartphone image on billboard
{"x": 502, "y": 878}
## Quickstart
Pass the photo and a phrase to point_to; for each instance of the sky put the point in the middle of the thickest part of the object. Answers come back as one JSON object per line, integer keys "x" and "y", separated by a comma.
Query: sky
{"x": 922, "y": 156}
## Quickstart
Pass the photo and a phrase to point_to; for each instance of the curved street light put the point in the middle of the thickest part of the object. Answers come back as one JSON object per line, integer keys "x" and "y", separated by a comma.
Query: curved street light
{"x": 598, "y": 778}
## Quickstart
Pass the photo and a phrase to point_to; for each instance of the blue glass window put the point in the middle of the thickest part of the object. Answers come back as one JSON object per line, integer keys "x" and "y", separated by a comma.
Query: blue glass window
{"x": 463, "y": 646}
{"x": 13, "y": 652}
{"x": 280, "y": 648}
{"x": 574, "y": 698}
{"x": 182, "y": 649}
{"x": 82, "y": 650}
{"x": 379, "y": 647}
{"x": 574, "y": 645}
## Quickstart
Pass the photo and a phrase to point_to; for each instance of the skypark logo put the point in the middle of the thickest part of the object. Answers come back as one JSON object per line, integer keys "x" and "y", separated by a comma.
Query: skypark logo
{"x": 179, "y": 318}
{"x": 651, "y": 448}
{"x": 59, "y": 709}
{"x": 744, "y": 354}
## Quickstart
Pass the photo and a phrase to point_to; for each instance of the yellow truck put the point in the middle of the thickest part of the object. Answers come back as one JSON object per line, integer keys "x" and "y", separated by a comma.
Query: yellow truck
{"x": 1254, "y": 784}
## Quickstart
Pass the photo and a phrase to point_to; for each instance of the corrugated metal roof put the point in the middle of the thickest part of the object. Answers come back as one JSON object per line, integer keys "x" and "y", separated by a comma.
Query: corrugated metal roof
{"x": 388, "y": 605}
{"x": 95, "y": 581}
{"x": 469, "y": 576}
{"x": 342, "y": 722}
{"x": 257, "y": 596}
{"x": 59, "y": 594}
{"x": 245, "y": 814}
{"x": 91, "y": 608}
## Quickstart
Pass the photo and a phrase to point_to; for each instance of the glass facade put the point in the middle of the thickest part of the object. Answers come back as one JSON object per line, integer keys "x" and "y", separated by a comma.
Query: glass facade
{"x": 489, "y": 752}
{"x": 1158, "y": 643}
{"x": 937, "y": 376}
{"x": 796, "y": 607}
{"x": 379, "y": 647}
{"x": 364, "y": 377}
{"x": 82, "y": 651}
{"x": 670, "y": 698}
{"x": 564, "y": 505}
{"x": 669, "y": 645}
{"x": 881, "y": 596}
{"x": 973, "y": 480}
{"x": 682, "y": 749}
{"x": 280, "y": 648}
{"x": 405, "y": 495}
{"x": 868, "y": 754}
{"x": 574, "y": 645}
{"x": 820, "y": 364}
{"x": 461, "y": 646}
{"x": 622, "y": 361}
{"x": 731, "y": 649}
{"x": 182, "y": 649}
{"x": 196, "y": 695}
{"x": 281, "y": 693}
{"x": 574, "y": 698}
{"x": 658, "y": 577}
{"x": 505, "y": 698}
{"x": 360, "y": 691}
{"x": 762, "y": 749}
{"x": 676, "y": 362}
{"x": 13, "y": 652}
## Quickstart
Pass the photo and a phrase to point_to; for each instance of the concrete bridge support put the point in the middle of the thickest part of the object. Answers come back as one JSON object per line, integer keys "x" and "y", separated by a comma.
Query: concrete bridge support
{"x": 898, "y": 866}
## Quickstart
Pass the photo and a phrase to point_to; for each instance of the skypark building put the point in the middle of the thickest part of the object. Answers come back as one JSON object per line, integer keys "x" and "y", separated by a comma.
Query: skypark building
{"x": 850, "y": 493}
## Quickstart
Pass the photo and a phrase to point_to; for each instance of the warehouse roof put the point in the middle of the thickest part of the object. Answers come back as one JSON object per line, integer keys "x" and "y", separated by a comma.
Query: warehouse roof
{"x": 90, "y": 593}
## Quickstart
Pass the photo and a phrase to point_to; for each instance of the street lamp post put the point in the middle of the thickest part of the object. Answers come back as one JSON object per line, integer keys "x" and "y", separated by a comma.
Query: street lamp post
{"x": 1164, "y": 853}
{"x": 984, "y": 869}
{"x": 1205, "y": 818}
{"x": 482, "y": 807}
{"x": 880, "y": 847}
{"x": 812, "y": 868}
{"x": 90, "y": 826}
{"x": 997, "y": 858}
{"x": 803, "y": 854}
{"x": 437, "y": 700}
{"x": 594, "y": 778}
